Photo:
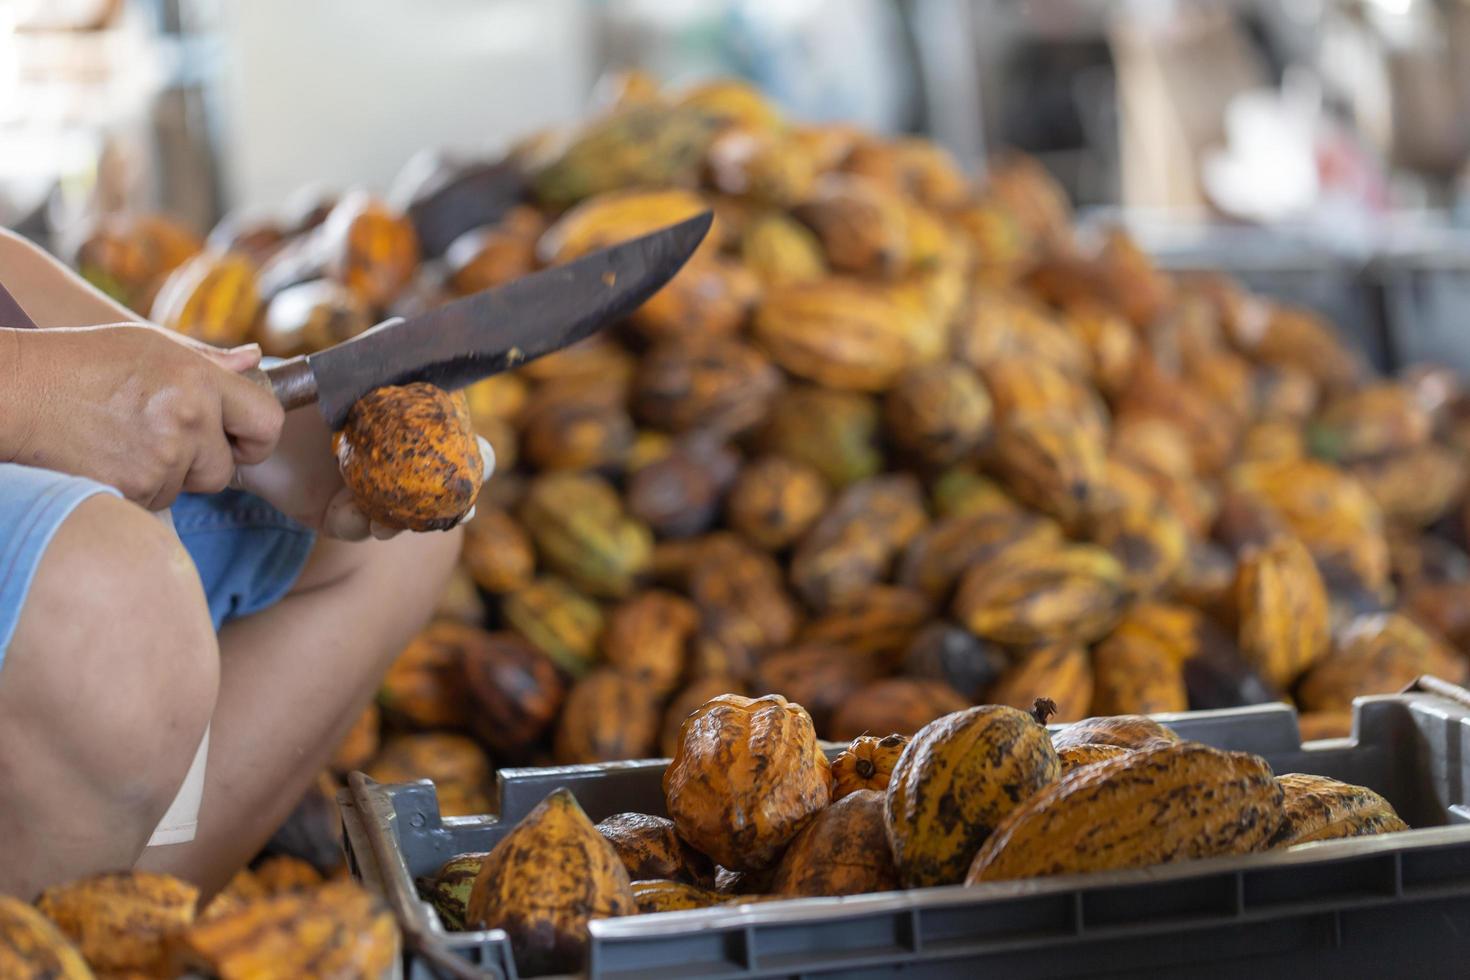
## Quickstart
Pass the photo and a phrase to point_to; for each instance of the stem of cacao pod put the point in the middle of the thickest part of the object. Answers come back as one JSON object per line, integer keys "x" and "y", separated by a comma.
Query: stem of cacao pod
{"x": 1042, "y": 709}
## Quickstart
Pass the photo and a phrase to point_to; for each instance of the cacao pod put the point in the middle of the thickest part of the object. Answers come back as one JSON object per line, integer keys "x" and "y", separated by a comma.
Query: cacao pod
{"x": 778, "y": 250}
{"x": 571, "y": 424}
{"x": 32, "y": 948}
{"x": 423, "y": 688}
{"x": 608, "y": 716}
{"x": 717, "y": 385}
{"x": 1072, "y": 593}
{"x": 686, "y": 702}
{"x": 650, "y": 847}
{"x": 559, "y": 620}
{"x": 312, "y": 316}
{"x": 581, "y": 531}
{"x": 841, "y": 334}
{"x": 740, "y": 594}
{"x": 483, "y": 258}
{"x": 1139, "y": 810}
{"x": 544, "y": 881}
{"x": 369, "y": 248}
{"x": 944, "y": 652}
{"x": 862, "y": 225}
{"x": 902, "y": 705}
{"x": 937, "y": 556}
{"x": 679, "y": 495}
{"x": 515, "y": 692}
{"x": 448, "y": 889}
{"x": 820, "y": 678}
{"x": 410, "y": 458}
{"x": 497, "y": 551}
{"x": 854, "y": 543}
{"x": 747, "y": 776}
{"x": 122, "y": 921}
{"x": 833, "y": 432}
{"x": 1047, "y": 461}
{"x": 1061, "y": 672}
{"x": 939, "y": 413}
{"x": 843, "y": 850}
{"x": 707, "y": 298}
{"x": 646, "y": 638}
{"x": 879, "y": 621}
{"x": 775, "y": 501}
{"x": 866, "y": 764}
{"x": 213, "y": 298}
{"x": 1376, "y": 654}
{"x": 1319, "y": 808}
{"x": 459, "y": 769}
{"x": 957, "y": 779}
{"x": 1282, "y": 608}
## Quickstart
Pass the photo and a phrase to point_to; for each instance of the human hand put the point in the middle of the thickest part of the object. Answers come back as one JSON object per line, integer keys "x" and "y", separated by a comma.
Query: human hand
{"x": 138, "y": 408}
{"x": 302, "y": 480}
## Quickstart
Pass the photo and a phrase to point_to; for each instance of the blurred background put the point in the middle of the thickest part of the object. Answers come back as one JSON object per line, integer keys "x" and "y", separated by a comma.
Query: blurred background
{"x": 1306, "y": 145}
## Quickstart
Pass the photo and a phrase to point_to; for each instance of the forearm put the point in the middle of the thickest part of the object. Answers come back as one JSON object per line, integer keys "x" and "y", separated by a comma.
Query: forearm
{"x": 50, "y": 293}
{"x": 17, "y": 421}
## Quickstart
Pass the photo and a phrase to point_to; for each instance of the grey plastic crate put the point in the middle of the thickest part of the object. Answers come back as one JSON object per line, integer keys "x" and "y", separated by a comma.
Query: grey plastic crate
{"x": 1397, "y": 905}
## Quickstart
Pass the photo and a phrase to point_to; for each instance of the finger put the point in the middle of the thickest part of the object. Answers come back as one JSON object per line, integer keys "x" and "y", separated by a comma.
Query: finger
{"x": 487, "y": 457}
{"x": 213, "y": 468}
{"x": 344, "y": 521}
{"x": 382, "y": 532}
{"x": 252, "y": 418}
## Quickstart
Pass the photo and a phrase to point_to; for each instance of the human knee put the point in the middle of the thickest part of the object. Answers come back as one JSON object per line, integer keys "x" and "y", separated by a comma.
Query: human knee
{"x": 124, "y": 643}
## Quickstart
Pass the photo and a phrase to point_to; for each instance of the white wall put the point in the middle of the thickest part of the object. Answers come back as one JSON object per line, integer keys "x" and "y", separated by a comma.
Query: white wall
{"x": 343, "y": 92}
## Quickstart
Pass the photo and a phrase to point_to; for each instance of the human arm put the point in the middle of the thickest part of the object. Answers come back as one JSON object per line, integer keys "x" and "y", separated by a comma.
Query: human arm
{"x": 126, "y": 404}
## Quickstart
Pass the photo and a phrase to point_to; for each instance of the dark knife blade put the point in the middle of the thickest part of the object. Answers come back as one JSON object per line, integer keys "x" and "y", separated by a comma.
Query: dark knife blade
{"x": 494, "y": 330}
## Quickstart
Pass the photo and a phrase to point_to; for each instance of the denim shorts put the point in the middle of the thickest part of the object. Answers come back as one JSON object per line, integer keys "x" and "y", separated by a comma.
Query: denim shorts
{"x": 248, "y": 553}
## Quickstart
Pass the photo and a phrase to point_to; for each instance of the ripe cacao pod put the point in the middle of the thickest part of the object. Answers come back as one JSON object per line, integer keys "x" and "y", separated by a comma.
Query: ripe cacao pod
{"x": 312, "y": 316}
{"x": 957, "y": 779}
{"x": 862, "y": 225}
{"x": 338, "y": 929}
{"x": 637, "y": 146}
{"x": 213, "y": 298}
{"x": 718, "y": 385}
{"x": 679, "y": 495}
{"x": 32, "y": 948}
{"x": 423, "y": 689}
{"x": 775, "y": 501}
{"x": 841, "y": 334}
{"x": 122, "y": 921}
{"x": 410, "y": 458}
{"x": 497, "y": 551}
{"x": 1132, "y": 674}
{"x": 854, "y": 543}
{"x": 866, "y": 764}
{"x": 939, "y": 412}
{"x": 879, "y": 621}
{"x": 1319, "y": 808}
{"x": 1165, "y": 803}
{"x": 937, "y": 556}
{"x": 657, "y": 895}
{"x": 842, "y": 851}
{"x": 692, "y": 697}
{"x": 650, "y": 847}
{"x": 896, "y": 704}
{"x": 778, "y": 249}
{"x": 760, "y": 165}
{"x": 457, "y": 766}
{"x": 646, "y": 637}
{"x": 740, "y": 595}
{"x": 128, "y": 256}
{"x": 820, "y": 678}
{"x": 515, "y": 691}
{"x": 1072, "y": 593}
{"x": 1061, "y": 672}
{"x": 1123, "y": 731}
{"x": 707, "y": 298}
{"x": 369, "y": 248}
{"x": 483, "y": 258}
{"x": 1374, "y": 420}
{"x": 573, "y": 424}
{"x": 1049, "y": 462}
{"x": 544, "y": 880}
{"x": 1282, "y": 608}
{"x": 608, "y": 716}
{"x": 747, "y": 776}
{"x": 1376, "y": 654}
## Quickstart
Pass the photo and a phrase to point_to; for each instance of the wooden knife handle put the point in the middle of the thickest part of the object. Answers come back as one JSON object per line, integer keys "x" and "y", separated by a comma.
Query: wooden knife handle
{"x": 291, "y": 381}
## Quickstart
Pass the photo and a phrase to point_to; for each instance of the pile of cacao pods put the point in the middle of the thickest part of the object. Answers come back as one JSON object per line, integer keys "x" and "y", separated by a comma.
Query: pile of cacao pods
{"x": 279, "y": 920}
{"x": 894, "y": 443}
{"x": 757, "y": 812}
